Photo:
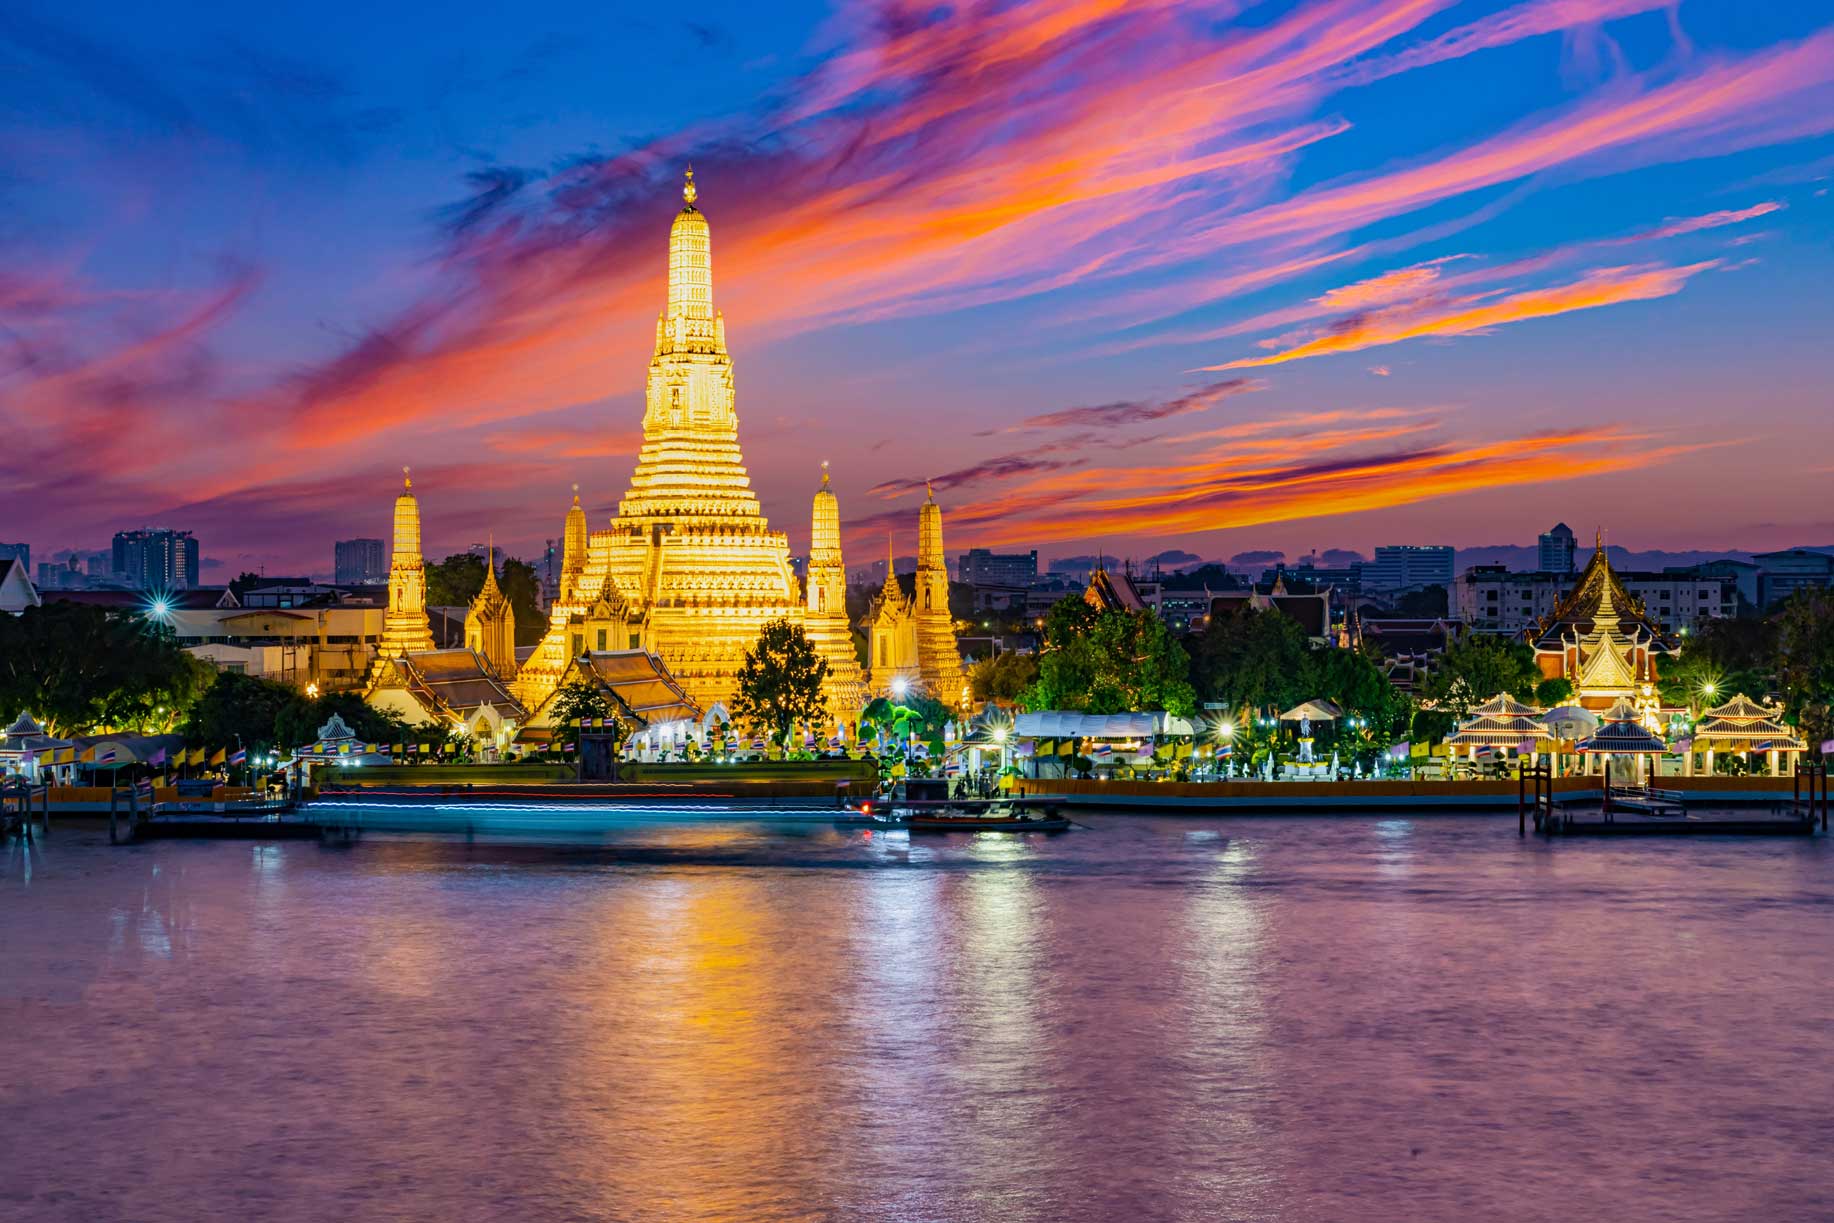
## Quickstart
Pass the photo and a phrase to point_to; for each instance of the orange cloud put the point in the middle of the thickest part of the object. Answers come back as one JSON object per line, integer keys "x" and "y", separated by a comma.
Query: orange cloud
{"x": 1465, "y": 316}
{"x": 1226, "y": 490}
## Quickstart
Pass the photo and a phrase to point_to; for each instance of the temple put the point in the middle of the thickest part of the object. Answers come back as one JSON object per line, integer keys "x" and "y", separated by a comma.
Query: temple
{"x": 1600, "y": 638}
{"x": 490, "y": 625}
{"x": 689, "y": 569}
{"x": 911, "y": 640}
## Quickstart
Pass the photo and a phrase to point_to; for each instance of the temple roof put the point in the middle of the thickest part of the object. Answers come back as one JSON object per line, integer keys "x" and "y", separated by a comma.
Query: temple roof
{"x": 1107, "y": 593}
{"x": 640, "y": 684}
{"x": 454, "y": 682}
{"x": 1502, "y": 705}
{"x": 1598, "y": 602}
{"x": 1744, "y": 722}
{"x": 1623, "y": 733}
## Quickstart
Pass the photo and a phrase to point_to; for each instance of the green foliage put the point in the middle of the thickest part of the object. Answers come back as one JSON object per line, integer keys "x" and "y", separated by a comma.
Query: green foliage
{"x": 1553, "y": 692}
{"x": 780, "y": 681}
{"x": 522, "y": 587}
{"x": 1472, "y": 671}
{"x": 1721, "y": 659}
{"x": 239, "y": 709}
{"x": 1352, "y": 681}
{"x": 1003, "y": 678}
{"x": 919, "y": 715}
{"x": 297, "y": 724}
{"x": 577, "y": 701}
{"x": 1805, "y": 662}
{"x": 1250, "y": 659}
{"x": 1110, "y": 662}
{"x": 1427, "y": 603}
{"x": 455, "y": 581}
{"x": 79, "y": 668}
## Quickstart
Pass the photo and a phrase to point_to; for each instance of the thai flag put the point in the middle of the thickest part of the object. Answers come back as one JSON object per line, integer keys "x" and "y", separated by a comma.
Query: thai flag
{"x": 107, "y": 757}
{"x": 238, "y": 756}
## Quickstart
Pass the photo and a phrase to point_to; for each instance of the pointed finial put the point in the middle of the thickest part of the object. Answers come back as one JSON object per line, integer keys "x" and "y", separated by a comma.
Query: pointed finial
{"x": 824, "y": 473}
{"x": 576, "y": 494}
{"x": 928, "y": 491}
{"x": 688, "y": 192}
{"x": 406, "y": 480}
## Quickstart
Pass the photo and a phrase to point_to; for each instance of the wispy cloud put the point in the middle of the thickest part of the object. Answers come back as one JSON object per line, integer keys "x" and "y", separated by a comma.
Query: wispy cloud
{"x": 1136, "y": 411}
{"x": 1468, "y": 316}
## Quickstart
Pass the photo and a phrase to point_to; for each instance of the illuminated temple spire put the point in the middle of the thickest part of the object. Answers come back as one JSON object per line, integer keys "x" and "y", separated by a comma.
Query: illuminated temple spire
{"x": 690, "y": 461}
{"x": 572, "y": 549}
{"x": 405, "y": 629}
{"x": 490, "y": 625}
{"x": 825, "y": 606}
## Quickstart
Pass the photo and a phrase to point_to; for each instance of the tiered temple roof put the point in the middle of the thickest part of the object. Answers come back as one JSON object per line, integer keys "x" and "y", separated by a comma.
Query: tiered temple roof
{"x": 1741, "y": 724}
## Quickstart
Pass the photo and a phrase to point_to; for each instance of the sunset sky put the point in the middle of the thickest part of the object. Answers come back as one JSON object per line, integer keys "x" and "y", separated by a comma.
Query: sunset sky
{"x": 1133, "y": 274}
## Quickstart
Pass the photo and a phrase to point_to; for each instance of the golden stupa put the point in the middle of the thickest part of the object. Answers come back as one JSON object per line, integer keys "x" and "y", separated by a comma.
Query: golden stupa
{"x": 689, "y": 568}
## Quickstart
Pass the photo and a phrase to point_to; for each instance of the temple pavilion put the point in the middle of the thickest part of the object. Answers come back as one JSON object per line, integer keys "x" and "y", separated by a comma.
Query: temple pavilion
{"x": 1742, "y": 726}
{"x": 1600, "y": 638}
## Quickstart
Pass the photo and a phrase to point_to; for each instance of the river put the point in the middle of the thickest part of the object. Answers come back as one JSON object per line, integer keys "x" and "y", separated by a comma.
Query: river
{"x": 1155, "y": 1018}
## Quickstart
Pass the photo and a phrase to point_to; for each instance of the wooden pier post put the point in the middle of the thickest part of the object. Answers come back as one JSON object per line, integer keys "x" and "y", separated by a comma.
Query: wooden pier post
{"x": 1522, "y": 798}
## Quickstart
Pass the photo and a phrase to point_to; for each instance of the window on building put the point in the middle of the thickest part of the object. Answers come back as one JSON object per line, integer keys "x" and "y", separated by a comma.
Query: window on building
{"x": 601, "y": 645}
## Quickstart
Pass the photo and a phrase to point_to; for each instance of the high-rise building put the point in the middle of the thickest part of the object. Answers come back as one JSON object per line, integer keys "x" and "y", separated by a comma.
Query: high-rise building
{"x": 19, "y": 552}
{"x": 360, "y": 562}
{"x": 1409, "y": 567}
{"x": 1791, "y": 570}
{"x": 980, "y": 567}
{"x": 156, "y": 559}
{"x": 1556, "y": 547}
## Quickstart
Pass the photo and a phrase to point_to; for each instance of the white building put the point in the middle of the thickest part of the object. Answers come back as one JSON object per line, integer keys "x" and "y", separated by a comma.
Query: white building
{"x": 1493, "y": 599}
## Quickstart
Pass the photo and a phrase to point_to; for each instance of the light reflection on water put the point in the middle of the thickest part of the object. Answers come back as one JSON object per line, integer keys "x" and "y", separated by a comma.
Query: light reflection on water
{"x": 1184, "y": 1019}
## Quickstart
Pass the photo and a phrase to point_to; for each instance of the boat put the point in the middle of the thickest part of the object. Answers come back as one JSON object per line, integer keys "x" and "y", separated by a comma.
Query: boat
{"x": 992, "y": 820}
{"x": 924, "y": 805}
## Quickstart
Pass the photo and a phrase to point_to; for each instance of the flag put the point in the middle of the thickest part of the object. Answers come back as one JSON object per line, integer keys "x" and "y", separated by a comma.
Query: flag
{"x": 158, "y": 757}
{"x": 107, "y": 757}
{"x": 89, "y": 755}
{"x": 219, "y": 756}
{"x": 239, "y": 756}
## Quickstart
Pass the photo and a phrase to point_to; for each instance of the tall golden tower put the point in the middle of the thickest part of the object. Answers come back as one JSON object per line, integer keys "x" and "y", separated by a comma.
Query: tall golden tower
{"x": 405, "y": 629}
{"x": 825, "y": 606}
{"x": 572, "y": 549}
{"x": 690, "y": 557}
{"x": 939, "y": 659}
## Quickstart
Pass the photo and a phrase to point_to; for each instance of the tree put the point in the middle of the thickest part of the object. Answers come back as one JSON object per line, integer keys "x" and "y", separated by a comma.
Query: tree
{"x": 1805, "y": 663}
{"x": 1552, "y": 692}
{"x": 522, "y": 587}
{"x": 1247, "y": 658}
{"x": 455, "y": 581}
{"x": 1375, "y": 712}
{"x": 579, "y": 700}
{"x": 239, "y": 710}
{"x": 80, "y": 668}
{"x": 1002, "y": 678}
{"x": 297, "y": 724}
{"x": 1472, "y": 671}
{"x": 1427, "y": 603}
{"x": 780, "y": 681}
{"x": 1720, "y": 659}
{"x": 1110, "y": 662}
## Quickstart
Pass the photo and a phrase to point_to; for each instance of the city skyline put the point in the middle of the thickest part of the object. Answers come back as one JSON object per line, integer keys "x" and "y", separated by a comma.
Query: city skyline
{"x": 1310, "y": 307}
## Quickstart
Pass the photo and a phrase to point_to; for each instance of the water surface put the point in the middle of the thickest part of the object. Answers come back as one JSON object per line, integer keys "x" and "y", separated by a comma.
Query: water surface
{"x": 1179, "y": 1018}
